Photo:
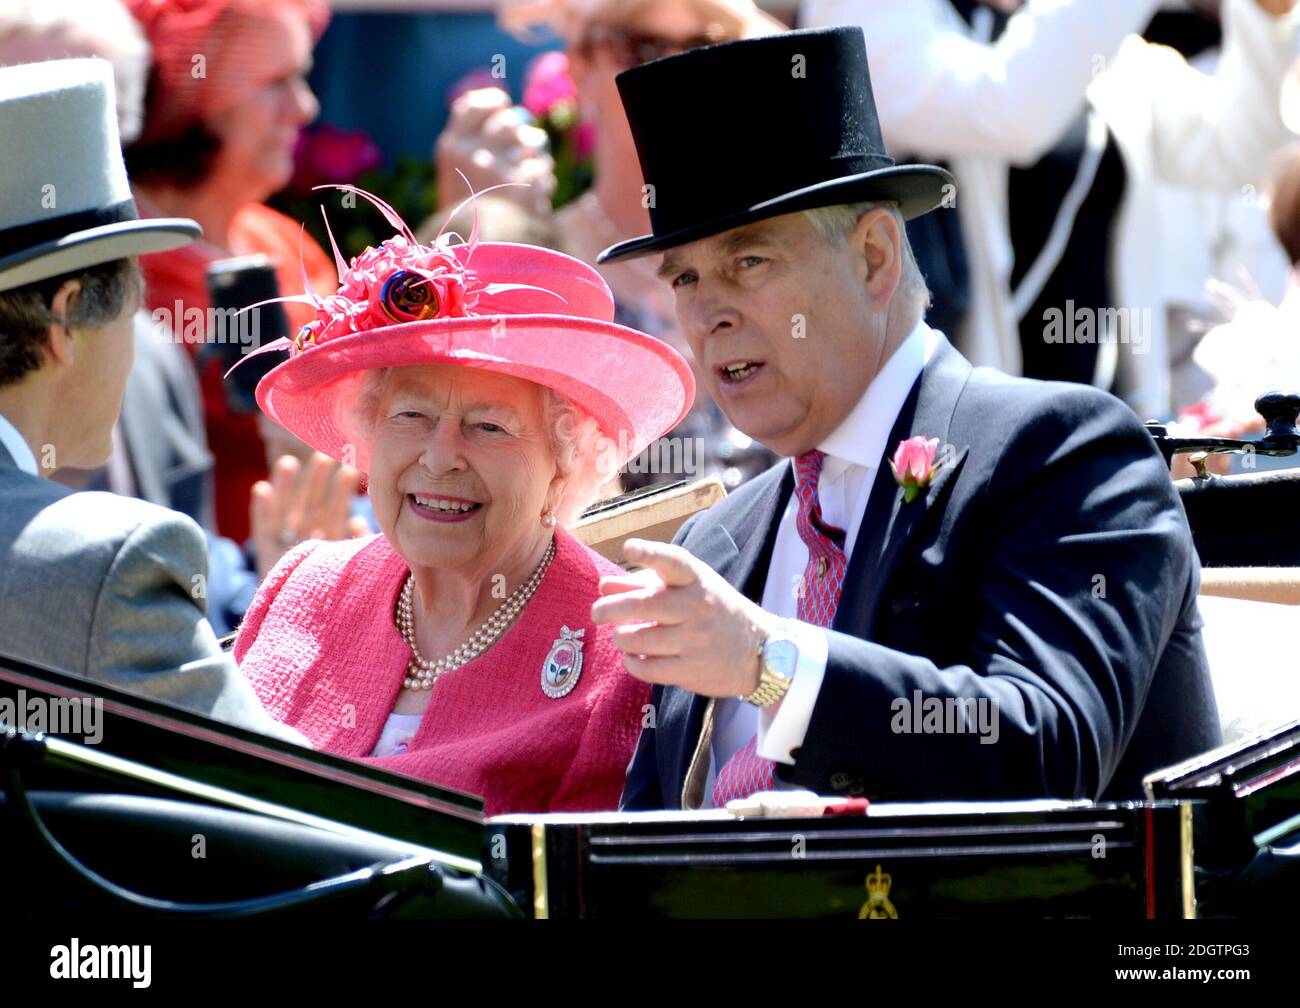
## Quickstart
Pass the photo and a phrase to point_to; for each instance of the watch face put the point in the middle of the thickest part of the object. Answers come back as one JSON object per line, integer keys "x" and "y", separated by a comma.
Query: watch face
{"x": 782, "y": 655}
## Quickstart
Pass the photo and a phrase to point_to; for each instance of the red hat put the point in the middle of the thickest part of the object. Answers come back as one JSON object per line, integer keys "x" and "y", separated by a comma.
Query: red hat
{"x": 209, "y": 54}
{"x": 516, "y": 310}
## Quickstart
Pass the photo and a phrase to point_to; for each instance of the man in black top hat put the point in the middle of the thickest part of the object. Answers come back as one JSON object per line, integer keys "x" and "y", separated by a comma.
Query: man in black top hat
{"x": 961, "y": 585}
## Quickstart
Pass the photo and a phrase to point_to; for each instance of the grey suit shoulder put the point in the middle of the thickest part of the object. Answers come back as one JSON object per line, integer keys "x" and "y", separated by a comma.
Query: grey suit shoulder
{"x": 113, "y": 589}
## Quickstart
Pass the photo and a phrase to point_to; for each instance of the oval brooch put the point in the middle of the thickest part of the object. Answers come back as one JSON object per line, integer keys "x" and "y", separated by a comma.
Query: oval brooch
{"x": 563, "y": 664}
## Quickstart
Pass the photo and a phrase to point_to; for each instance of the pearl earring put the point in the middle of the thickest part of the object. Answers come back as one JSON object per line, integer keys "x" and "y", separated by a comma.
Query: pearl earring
{"x": 548, "y": 519}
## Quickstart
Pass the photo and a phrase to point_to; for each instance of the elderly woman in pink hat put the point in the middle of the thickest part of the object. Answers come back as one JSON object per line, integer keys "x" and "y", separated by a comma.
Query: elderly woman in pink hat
{"x": 487, "y": 394}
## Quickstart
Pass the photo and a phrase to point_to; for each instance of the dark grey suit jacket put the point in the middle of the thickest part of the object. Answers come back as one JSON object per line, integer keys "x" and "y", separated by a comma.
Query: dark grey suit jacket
{"x": 113, "y": 589}
{"x": 1048, "y": 570}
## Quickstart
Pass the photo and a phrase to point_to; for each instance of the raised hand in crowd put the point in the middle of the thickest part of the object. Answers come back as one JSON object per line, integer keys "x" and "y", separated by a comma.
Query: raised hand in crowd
{"x": 488, "y": 140}
{"x": 303, "y": 500}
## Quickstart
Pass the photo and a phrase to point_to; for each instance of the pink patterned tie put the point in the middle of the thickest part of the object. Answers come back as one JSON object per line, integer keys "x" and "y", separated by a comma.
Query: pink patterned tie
{"x": 817, "y": 596}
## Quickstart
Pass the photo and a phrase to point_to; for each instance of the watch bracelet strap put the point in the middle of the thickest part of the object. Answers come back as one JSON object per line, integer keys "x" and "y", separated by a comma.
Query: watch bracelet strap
{"x": 771, "y": 688}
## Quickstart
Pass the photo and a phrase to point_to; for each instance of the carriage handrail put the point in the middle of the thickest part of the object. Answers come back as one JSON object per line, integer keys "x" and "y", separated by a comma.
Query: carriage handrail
{"x": 1279, "y": 410}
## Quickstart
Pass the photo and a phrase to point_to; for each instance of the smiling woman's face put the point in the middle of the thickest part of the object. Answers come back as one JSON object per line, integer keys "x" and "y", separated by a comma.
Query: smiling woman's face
{"x": 462, "y": 469}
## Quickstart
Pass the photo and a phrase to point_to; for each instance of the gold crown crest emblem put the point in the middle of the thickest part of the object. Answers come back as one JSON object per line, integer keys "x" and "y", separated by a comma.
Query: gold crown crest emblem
{"x": 877, "y": 906}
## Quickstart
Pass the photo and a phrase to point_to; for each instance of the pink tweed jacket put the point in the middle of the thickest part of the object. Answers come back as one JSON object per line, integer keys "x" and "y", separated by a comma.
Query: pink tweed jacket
{"x": 323, "y": 654}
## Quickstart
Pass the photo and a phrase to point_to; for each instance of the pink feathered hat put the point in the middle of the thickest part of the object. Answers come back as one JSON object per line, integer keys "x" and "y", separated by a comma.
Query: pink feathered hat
{"x": 516, "y": 310}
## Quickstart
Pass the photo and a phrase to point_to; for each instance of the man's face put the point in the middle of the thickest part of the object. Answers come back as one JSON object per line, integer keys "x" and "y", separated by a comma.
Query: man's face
{"x": 787, "y": 331}
{"x": 103, "y": 362}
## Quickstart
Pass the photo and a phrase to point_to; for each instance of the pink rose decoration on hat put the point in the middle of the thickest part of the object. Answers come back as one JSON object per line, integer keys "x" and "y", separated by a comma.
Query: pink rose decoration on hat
{"x": 400, "y": 281}
{"x": 913, "y": 465}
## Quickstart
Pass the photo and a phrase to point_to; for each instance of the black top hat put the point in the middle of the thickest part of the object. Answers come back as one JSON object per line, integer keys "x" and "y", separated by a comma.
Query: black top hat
{"x": 741, "y": 131}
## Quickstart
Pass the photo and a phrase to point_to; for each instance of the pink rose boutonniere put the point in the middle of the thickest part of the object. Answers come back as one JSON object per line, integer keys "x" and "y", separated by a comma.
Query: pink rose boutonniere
{"x": 914, "y": 466}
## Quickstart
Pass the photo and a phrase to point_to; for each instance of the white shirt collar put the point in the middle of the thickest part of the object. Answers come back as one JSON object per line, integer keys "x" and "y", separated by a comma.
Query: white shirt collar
{"x": 860, "y": 438}
{"x": 17, "y": 447}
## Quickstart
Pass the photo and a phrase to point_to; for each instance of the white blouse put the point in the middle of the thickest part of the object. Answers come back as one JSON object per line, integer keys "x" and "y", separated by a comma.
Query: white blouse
{"x": 398, "y": 732}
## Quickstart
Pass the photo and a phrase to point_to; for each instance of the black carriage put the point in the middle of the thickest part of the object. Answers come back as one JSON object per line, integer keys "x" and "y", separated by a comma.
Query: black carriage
{"x": 120, "y": 824}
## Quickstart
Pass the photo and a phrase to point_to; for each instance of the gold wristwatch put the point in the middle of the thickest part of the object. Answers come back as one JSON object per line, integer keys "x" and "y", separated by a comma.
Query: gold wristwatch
{"x": 778, "y": 657}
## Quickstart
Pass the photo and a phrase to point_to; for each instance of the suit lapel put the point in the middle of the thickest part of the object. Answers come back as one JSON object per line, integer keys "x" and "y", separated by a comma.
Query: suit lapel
{"x": 889, "y": 522}
{"x": 742, "y": 556}
{"x": 742, "y": 551}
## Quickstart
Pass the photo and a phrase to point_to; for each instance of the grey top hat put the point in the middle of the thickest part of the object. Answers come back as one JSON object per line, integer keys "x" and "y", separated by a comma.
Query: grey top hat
{"x": 64, "y": 199}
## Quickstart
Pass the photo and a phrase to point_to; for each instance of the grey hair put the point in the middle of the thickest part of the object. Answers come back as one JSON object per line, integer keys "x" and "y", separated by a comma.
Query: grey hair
{"x": 836, "y": 223}
{"x": 32, "y": 30}
{"x": 586, "y": 458}
{"x": 361, "y": 411}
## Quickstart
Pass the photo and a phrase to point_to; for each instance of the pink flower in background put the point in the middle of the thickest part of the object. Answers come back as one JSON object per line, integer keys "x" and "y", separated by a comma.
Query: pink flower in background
{"x": 328, "y": 154}
{"x": 479, "y": 77}
{"x": 913, "y": 464}
{"x": 548, "y": 85}
{"x": 584, "y": 139}
{"x": 1200, "y": 415}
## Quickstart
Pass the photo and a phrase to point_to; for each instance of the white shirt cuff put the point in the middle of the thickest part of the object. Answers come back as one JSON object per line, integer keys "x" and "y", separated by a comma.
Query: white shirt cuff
{"x": 780, "y": 734}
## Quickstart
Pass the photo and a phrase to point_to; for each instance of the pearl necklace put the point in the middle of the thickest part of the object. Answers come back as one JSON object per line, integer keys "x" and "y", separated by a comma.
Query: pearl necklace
{"x": 423, "y": 672}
